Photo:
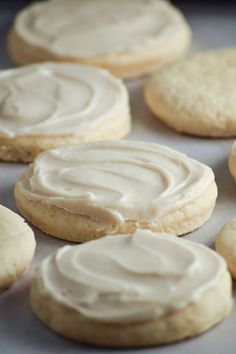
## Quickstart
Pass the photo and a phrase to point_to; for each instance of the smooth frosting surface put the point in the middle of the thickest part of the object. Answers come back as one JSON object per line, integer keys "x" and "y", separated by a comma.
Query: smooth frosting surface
{"x": 90, "y": 27}
{"x": 116, "y": 181}
{"x": 131, "y": 278}
{"x": 58, "y": 99}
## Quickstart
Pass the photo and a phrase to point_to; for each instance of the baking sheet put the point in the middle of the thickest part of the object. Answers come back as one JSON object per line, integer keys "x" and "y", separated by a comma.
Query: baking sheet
{"x": 20, "y": 331}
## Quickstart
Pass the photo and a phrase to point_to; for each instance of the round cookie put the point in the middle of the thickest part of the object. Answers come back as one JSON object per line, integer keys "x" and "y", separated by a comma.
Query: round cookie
{"x": 232, "y": 161}
{"x": 17, "y": 245}
{"x": 133, "y": 290}
{"x": 191, "y": 96}
{"x": 86, "y": 191}
{"x": 226, "y": 245}
{"x": 43, "y": 106}
{"x": 129, "y": 38}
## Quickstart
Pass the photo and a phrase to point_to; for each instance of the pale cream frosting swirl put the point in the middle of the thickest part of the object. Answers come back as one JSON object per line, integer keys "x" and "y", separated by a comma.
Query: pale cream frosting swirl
{"x": 131, "y": 278}
{"x": 87, "y": 28}
{"x": 58, "y": 99}
{"x": 116, "y": 181}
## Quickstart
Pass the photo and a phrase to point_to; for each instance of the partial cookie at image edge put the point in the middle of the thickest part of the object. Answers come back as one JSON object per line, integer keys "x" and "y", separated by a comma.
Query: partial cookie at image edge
{"x": 127, "y": 63}
{"x": 39, "y": 108}
{"x": 17, "y": 246}
{"x": 190, "y": 96}
{"x": 225, "y": 244}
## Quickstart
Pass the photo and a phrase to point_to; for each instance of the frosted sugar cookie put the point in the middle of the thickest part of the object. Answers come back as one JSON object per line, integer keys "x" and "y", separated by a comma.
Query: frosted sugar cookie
{"x": 226, "y": 245}
{"x": 139, "y": 290}
{"x": 17, "y": 245}
{"x": 47, "y": 105}
{"x": 127, "y": 37}
{"x": 197, "y": 95}
{"x": 86, "y": 191}
{"x": 232, "y": 161}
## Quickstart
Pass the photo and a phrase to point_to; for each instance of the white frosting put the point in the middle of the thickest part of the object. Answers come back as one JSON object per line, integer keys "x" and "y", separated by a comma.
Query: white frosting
{"x": 131, "y": 278}
{"x": 58, "y": 99}
{"x": 86, "y": 28}
{"x": 116, "y": 181}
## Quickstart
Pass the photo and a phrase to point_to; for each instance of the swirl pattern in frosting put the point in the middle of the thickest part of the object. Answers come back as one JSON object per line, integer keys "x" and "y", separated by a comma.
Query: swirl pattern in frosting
{"x": 86, "y": 28}
{"x": 58, "y": 99}
{"x": 131, "y": 278}
{"x": 116, "y": 181}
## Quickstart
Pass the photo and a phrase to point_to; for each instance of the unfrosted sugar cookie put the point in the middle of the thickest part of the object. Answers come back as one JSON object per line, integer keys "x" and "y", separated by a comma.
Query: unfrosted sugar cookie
{"x": 226, "y": 245}
{"x": 43, "y": 106}
{"x": 197, "y": 95}
{"x": 17, "y": 245}
{"x": 127, "y": 37}
{"x": 232, "y": 161}
{"x": 86, "y": 191}
{"x": 132, "y": 290}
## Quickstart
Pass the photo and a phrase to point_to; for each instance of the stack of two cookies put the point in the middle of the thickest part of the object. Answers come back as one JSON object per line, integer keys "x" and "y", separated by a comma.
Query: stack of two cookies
{"x": 138, "y": 286}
